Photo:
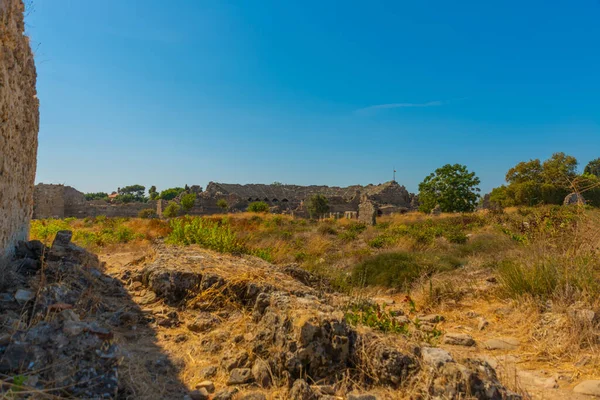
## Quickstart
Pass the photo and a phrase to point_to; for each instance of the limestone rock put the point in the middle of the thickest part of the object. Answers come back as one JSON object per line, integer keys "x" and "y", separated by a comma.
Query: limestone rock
{"x": 240, "y": 376}
{"x": 459, "y": 339}
{"x": 435, "y": 357}
{"x": 505, "y": 343}
{"x": 574, "y": 199}
{"x": 204, "y": 322}
{"x": 431, "y": 318}
{"x": 261, "y": 373}
{"x": 591, "y": 388}
{"x": 208, "y": 385}
{"x": 199, "y": 394}
{"x": 23, "y": 296}
{"x": 302, "y": 391}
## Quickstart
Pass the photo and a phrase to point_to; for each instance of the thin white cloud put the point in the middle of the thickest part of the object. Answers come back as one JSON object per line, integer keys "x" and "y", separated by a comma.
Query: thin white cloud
{"x": 372, "y": 109}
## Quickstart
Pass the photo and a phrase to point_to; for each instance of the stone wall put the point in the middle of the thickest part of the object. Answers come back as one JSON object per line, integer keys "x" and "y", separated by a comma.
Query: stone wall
{"x": 19, "y": 113}
{"x": 48, "y": 201}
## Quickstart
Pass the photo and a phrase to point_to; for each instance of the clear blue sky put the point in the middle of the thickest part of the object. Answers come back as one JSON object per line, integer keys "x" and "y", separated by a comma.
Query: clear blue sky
{"x": 310, "y": 92}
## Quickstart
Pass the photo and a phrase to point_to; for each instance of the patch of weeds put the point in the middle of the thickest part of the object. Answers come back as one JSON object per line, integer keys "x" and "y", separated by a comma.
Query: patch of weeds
{"x": 374, "y": 316}
{"x": 400, "y": 269}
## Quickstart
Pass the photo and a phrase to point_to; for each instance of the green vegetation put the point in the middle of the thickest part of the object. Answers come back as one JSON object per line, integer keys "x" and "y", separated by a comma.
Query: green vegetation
{"x": 147, "y": 213}
{"x": 258, "y": 207}
{"x": 317, "y": 205}
{"x": 593, "y": 168}
{"x": 172, "y": 210}
{"x": 374, "y": 316}
{"x": 222, "y": 204}
{"x": 532, "y": 182}
{"x": 153, "y": 193}
{"x": 96, "y": 196}
{"x": 187, "y": 201}
{"x": 170, "y": 194}
{"x": 452, "y": 187}
{"x": 400, "y": 269}
{"x": 131, "y": 193}
{"x": 207, "y": 233}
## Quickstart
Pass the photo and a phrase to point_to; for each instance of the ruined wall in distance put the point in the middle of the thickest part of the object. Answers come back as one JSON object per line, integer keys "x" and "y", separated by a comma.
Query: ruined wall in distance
{"x": 19, "y": 124}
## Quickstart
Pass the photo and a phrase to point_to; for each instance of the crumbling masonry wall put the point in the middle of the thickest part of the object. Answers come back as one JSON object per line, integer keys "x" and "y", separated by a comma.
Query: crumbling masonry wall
{"x": 19, "y": 123}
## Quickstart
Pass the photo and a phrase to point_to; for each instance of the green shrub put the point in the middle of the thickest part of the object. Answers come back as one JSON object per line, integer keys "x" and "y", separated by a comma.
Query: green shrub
{"x": 550, "y": 278}
{"x": 378, "y": 242}
{"x": 187, "y": 201}
{"x": 170, "y": 194}
{"x": 172, "y": 210}
{"x": 147, "y": 213}
{"x": 222, "y": 203}
{"x": 317, "y": 205}
{"x": 374, "y": 316}
{"x": 258, "y": 207}
{"x": 400, "y": 269}
{"x": 326, "y": 229}
{"x": 207, "y": 233}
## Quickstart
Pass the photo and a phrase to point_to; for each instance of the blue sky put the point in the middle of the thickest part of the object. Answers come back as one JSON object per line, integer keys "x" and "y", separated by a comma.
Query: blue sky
{"x": 310, "y": 92}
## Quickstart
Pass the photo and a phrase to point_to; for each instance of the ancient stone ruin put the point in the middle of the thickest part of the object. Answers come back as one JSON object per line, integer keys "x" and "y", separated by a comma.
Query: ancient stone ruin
{"x": 61, "y": 201}
{"x": 19, "y": 127}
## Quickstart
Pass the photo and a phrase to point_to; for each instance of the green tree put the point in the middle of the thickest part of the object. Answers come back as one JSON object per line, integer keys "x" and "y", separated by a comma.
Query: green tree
{"x": 258, "y": 207}
{"x": 131, "y": 193}
{"x": 593, "y": 168}
{"x": 453, "y": 187}
{"x": 317, "y": 205}
{"x": 187, "y": 201}
{"x": 172, "y": 210}
{"x": 153, "y": 193}
{"x": 170, "y": 194}
{"x": 560, "y": 170}
{"x": 525, "y": 171}
{"x": 147, "y": 213}
{"x": 222, "y": 203}
{"x": 96, "y": 196}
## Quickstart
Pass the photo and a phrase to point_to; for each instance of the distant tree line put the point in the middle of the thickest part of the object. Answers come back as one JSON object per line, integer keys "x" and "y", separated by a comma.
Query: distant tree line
{"x": 137, "y": 193}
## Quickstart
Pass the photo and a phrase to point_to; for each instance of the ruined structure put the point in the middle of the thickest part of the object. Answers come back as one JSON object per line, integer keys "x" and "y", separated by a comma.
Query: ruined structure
{"x": 367, "y": 211}
{"x": 19, "y": 127}
{"x": 61, "y": 201}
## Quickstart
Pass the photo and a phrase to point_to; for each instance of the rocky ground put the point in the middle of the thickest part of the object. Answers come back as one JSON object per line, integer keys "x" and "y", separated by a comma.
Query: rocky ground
{"x": 190, "y": 323}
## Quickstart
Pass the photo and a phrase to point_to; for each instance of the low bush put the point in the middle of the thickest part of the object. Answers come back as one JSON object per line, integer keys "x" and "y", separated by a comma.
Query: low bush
{"x": 172, "y": 210}
{"x": 400, "y": 269}
{"x": 147, "y": 213}
{"x": 258, "y": 207}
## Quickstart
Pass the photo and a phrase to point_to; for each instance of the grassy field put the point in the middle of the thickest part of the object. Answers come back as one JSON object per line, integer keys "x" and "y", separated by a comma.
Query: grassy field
{"x": 543, "y": 252}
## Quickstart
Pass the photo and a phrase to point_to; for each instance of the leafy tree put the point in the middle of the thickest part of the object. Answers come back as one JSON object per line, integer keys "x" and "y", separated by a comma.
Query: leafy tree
{"x": 96, "y": 196}
{"x": 153, "y": 193}
{"x": 525, "y": 171}
{"x": 222, "y": 203}
{"x": 187, "y": 201}
{"x": 317, "y": 205}
{"x": 172, "y": 210}
{"x": 560, "y": 170}
{"x": 453, "y": 187}
{"x": 258, "y": 207}
{"x": 533, "y": 182}
{"x": 170, "y": 194}
{"x": 276, "y": 183}
{"x": 135, "y": 190}
{"x": 593, "y": 168}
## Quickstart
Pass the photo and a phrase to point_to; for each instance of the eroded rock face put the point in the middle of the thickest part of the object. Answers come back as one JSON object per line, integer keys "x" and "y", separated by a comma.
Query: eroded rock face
{"x": 19, "y": 128}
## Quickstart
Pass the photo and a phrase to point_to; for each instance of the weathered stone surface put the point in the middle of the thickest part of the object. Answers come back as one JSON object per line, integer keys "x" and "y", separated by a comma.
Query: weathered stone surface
{"x": 367, "y": 211}
{"x": 574, "y": 199}
{"x": 204, "y": 322}
{"x": 590, "y": 388}
{"x": 459, "y": 339}
{"x": 301, "y": 391}
{"x": 23, "y": 296}
{"x": 19, "y": 128}
{"x": 225, "y": 394}
{"x": 435, "y": 357}
{"x": 261, "y": 373}
{"x": 505, "y": 343}
{"x": 534, "y": 379}
{"x": 254, "y": 396}
{"x": 431, "y": 318}
{"x": 208, "y": 385}
{"x": 364, "y": 396}
{"x": 199, "y": 394}
{"x": 240, "y": 376}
